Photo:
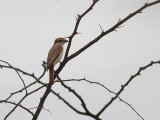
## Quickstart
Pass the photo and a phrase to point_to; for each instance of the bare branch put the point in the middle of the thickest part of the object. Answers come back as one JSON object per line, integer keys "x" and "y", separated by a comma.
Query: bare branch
{"x": 61, "y": 98}
{"x": 112, "y": 29}
{"x": 41, "y": 108}
{"x": 68, "y": 58}
{"x": 87, "y": 112}
{"x": 76, "y": 27}
{"x": 9, "y": 65}
{"x": 91, "y": 82}
{"x": 17, "y": 69}
{"x": 123, "y": 86}
{"x": 19, "y": 105}
{"x": 97, "y": 83}
{"x": 75, "y": 93}
{"x": 131, "y": 107}
{"x": 42, "y": 100}
{"x": 21, "y": 101}
{"x": 101, "y": 28}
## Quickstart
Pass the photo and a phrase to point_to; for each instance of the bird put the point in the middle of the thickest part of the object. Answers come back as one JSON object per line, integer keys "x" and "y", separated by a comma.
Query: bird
{"x": 54, "y": 56}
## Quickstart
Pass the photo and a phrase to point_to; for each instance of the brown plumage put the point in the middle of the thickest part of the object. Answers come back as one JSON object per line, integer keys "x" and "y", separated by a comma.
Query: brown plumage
{"x": 54, "y": 56}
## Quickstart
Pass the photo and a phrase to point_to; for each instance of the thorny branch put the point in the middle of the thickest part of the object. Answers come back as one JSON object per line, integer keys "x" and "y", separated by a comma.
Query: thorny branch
{"x": 23, "y": 98}
{"x": 10, "y": 66}
{"x": 67, "y": 58}
{"x": 87, "y": 112}
{"x": 48, "y": 90}
{"x": 104, "y": 33}
{"x": 18, "y": 105}
{"x": 126, "y": 84}
{"x": 97, "y": 83}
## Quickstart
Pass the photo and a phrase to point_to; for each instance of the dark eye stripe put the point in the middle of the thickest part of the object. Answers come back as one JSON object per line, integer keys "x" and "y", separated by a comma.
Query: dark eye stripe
{"x": 58, "y": 41}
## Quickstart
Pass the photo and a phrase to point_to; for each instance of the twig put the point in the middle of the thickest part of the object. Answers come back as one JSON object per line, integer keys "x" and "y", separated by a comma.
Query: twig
{"x": 131, "y": 107}
{"x": 42, "y": 108}
{"x": 97, "y": 83}
{"x": 87, "y": 112}
{"x": 21, "y": 101}
{"x": 77, "y": 25}
{"x": 65, "y": 60}
{"x": 126, "y": 84}
{"x": 9, "y": 65}
{"x": 67, "y": 103}
{"x": 5, "y": 101}
{"x": 91, "y": 82}
{"x": 19, "y": 70}
{"x": 111, "y": 29}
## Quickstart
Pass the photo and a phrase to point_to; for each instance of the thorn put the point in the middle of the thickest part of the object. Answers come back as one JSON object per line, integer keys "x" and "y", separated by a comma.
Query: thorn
{"x": 112, "y": 98}
{"x": 119, "y": 20}
{"x": 115, "y": 30}
{"x": 78, "y": 15}
{"x": 101, "y": 28}
{"x": 141, "y": 68}
{"x": 120, "y": 26}
{"x": 78, "y": 32}
{"x": 32, "y": 74}
{"x": 146, "y": 3}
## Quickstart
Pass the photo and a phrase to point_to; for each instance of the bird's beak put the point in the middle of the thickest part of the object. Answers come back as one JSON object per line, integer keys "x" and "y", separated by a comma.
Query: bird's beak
{"x": 65, "y": 40}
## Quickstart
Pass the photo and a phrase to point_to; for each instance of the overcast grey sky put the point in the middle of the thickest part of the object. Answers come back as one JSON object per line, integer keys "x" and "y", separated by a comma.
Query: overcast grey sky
{"x": 28, "y": 29}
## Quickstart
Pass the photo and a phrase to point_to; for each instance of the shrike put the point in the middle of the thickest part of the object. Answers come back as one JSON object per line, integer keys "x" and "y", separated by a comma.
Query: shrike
{"x": 54, "y": 56}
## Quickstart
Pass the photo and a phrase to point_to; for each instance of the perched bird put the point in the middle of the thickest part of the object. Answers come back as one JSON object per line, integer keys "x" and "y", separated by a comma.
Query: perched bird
{"x": 54, "y": 56}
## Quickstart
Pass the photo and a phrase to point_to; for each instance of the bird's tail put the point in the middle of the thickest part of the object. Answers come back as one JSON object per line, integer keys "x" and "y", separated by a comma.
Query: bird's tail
{"x": 51, "y": 75}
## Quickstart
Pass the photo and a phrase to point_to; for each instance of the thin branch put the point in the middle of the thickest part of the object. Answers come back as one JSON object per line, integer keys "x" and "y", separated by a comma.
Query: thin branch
{"x": 101, "y": 28}
{"x": 131, "y": 107}
{"x": 31, "y": 75}
{"x": 65, "y": 60}
{"x": 97, "y": 83}
{"x": 91, "y": 82}
{"x": 9, "y": 65}
{"x": 19, "y": 105}
{"x": 42, "y": 100}
{"x": 87, "y": 112}
{"x": 67, "y": 103}
{"x": 75, "y": 93}
{"x": 61, "y": 98}
{"x": 126, "y": 84}
{"x": 17, "y": 69}
{"x": 77, "y": 25}
{"x": 41, "y": 108}
{"x": 120, "y": 22}
{"x": 21, "y": 101}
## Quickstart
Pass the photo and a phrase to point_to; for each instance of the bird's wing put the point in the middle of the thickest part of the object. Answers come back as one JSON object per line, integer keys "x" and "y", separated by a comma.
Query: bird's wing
{"x": 53, "y": 54}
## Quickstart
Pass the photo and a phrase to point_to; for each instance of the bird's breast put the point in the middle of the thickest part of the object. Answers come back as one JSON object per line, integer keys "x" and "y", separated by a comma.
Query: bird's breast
{"x": 59, "y": 58}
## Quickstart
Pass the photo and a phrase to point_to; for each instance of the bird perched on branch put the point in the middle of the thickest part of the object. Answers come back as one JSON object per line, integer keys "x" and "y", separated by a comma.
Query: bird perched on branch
{"x": 54, "y": 56}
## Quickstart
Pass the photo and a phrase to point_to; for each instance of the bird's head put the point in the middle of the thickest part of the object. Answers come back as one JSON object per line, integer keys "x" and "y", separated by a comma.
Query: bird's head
{"x": 60, "y": 41}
